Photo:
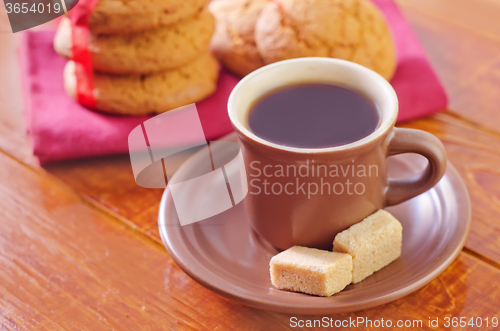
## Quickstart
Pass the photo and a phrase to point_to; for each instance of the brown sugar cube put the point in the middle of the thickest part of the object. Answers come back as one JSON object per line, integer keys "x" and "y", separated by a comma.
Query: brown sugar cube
{"x": 373, "y": 243}
{"x": 311, "y": 271}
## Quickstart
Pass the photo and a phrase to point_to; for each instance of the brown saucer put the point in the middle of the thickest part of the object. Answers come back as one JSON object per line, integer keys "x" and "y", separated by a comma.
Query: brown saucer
{"x": 223, "y": 254}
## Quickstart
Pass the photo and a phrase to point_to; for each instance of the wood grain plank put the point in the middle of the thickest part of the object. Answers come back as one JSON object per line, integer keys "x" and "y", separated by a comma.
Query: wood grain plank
{"x": 109, "y": 182}
{"x": 67, "y": 266}
{"x": 480, "y": 16}
{"x": 13, "y": 136}
{"x": 476, "y": 155}
{"x": 462, "y": 41}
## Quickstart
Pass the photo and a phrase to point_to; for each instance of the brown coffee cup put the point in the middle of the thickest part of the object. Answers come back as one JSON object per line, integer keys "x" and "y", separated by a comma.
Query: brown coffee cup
{"x": 305, "y": 196}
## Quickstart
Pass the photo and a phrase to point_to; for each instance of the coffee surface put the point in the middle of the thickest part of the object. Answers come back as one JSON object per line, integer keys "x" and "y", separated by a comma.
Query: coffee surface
{"x": 313, "y": 115}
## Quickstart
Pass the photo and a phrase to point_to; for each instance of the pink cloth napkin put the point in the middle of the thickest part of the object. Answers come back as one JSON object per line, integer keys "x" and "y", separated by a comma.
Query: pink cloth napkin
{"x": 62, "y": 129}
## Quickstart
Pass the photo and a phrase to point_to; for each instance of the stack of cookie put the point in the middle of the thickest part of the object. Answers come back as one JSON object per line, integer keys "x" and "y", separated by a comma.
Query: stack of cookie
{"x": 252, "y": 33}
{"x": 147, "y": 56}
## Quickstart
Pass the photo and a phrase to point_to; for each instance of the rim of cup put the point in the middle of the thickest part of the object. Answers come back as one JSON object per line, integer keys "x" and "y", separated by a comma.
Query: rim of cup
{"x": 314, "y": 70}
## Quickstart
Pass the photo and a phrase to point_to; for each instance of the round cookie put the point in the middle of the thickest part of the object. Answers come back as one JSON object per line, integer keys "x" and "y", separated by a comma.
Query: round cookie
{"x": 233, "y": 42}
{"x": 130, "y": 16}
{"x": 145, "y": 52}
{"x": 352, "y": 30}
{"x": 156, "y": 93}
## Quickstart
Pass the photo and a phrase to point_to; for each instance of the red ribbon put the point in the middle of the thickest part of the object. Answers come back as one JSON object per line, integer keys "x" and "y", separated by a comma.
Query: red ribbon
{"x": 80, "y": 16}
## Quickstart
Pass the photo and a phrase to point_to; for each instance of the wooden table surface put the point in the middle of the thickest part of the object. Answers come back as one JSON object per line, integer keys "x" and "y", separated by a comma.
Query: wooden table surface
{"x": 80, "y": 248}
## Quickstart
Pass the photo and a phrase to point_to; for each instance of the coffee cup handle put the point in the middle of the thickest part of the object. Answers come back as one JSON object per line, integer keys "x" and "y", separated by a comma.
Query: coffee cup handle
{"x": 423, "y": 143}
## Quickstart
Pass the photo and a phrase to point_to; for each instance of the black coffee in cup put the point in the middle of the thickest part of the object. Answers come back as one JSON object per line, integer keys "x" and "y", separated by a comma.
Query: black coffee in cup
{"x": 313, "y": 115}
